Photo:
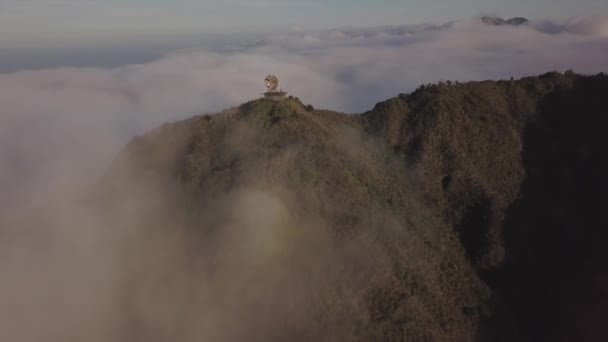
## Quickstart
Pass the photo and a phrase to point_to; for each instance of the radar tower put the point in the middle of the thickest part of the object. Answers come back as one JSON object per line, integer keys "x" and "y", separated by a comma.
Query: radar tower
{"x": 272, "y": 83}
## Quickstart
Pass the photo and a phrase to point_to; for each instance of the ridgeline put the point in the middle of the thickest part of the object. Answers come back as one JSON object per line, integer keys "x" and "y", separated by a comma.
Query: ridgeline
{"x": 459, "y": 212}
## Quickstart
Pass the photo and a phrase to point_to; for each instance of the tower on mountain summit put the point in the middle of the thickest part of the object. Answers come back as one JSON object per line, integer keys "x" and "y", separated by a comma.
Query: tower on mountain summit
{"x": 272, "y": 83}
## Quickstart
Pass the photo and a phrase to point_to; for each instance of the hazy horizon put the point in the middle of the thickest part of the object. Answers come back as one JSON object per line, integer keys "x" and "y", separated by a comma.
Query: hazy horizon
{"x": 110, "y": 50}
{"x": 73, "y": 17}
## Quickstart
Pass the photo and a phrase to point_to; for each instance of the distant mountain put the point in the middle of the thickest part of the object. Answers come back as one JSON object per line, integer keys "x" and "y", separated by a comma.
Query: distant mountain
{"x": 459, "y": 212}
{"x": 497, "y": 21}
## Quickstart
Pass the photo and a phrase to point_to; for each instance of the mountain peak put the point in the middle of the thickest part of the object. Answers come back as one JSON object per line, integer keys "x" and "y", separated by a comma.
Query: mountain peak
{"x": 398, "y": 224}
{"x": 497, "y": 21}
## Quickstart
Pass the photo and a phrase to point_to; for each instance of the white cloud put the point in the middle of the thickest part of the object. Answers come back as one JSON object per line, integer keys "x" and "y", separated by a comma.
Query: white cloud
{"x": 593, "y": 26}
{"x": 58, "y": 125}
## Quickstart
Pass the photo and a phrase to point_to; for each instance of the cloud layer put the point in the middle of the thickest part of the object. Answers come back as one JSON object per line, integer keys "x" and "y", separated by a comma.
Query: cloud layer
{"x": 59, "y": 128}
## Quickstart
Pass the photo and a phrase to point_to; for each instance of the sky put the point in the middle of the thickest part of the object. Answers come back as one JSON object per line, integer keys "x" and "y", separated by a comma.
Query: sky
{"x": 20, "y": 19}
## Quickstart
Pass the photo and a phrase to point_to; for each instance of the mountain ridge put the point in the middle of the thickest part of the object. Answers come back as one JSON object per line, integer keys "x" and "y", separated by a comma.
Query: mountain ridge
{"x": 434, "y": 187}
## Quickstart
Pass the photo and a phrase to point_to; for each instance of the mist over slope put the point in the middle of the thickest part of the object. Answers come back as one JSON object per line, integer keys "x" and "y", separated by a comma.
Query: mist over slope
{"x": 457, "y": 212}
{"x": 302, "y": 213}
{"x": 73, "y": 272}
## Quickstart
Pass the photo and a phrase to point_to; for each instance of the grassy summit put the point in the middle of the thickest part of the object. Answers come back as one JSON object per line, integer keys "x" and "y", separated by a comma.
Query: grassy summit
{"x": 441, "y": 215}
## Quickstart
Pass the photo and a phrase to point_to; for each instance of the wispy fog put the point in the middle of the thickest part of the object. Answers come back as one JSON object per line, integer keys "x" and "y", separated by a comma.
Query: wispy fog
{"x": 60, "y": 128}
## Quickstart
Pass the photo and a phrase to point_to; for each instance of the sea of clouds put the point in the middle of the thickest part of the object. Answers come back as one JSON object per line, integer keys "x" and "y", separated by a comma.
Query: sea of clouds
{"x": 60, "y": 127}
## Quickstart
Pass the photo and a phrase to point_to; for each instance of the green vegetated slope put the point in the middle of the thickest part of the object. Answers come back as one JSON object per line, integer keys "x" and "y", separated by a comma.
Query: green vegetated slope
{"x": 442, "y": 215}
